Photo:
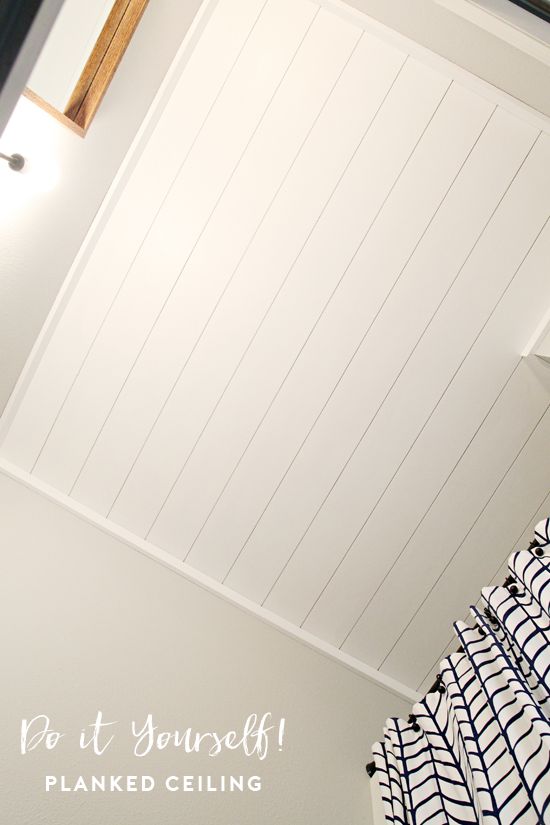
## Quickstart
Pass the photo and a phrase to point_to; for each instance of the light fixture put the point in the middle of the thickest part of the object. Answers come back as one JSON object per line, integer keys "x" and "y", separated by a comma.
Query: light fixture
{"x": 39, "y": 140}
{"x": 15, "y": 161}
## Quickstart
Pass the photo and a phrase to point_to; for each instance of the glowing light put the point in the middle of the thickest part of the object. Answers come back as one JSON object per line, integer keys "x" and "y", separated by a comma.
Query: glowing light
{"x": 32, "y": 133}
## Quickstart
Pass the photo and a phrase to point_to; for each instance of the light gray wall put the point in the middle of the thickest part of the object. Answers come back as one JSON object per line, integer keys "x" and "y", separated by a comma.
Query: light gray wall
{"x": 88, "y": 623}
{"x": 40, "y": 237}
{"x": 467, "y": 45}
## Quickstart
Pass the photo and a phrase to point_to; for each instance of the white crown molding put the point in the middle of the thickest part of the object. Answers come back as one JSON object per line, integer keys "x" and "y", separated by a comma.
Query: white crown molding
{"x": 439, "y": 63}
{"x": 207, "y": 583}
{"x": 508, "y": 22}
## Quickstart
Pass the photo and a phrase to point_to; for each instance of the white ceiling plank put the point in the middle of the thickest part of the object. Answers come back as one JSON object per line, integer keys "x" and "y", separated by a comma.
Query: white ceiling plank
{"x": 110, "y": 259}
{"x": 179, "y": 225}
{"x": 368, "y": 427}
{"x": 368, "y": 280}
{"x": 356, "y": 203}
{"x": 473, "y": 565}
{"x": 493, "y": 459}
{"x": 262, "y": 172}
{"x": 443, "y": 437}
{"x": 267, "y": 262}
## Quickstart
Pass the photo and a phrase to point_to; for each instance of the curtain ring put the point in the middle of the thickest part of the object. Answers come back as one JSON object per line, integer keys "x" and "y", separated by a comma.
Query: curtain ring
{"x": 414, "y": 723}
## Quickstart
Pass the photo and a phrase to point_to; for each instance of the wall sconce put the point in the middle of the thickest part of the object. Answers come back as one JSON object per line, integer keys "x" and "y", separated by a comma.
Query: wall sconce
{"x": 15, "y": 161}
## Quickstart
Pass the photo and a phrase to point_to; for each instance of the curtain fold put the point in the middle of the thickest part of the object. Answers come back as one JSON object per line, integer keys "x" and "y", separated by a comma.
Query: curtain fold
{"x": 477, "y": 748}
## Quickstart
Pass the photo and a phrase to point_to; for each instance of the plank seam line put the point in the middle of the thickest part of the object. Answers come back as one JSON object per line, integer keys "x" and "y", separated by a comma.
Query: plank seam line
{"x": 360, "y": 344}
{"x": 226, "y": 287}
{"x": 409, "y": 450}
{"x": 193, "y": 248}
{"x": 438, "y": 579}
{"x": 468, "y": 256}
{"x": 119, "y": 289}
{"x": 518, "y": 454}
{"x": 317, "y": 321}
{"x": 340, "y": 474}
{"x": 279, "y": 290}
{"x": 540, "y": 510}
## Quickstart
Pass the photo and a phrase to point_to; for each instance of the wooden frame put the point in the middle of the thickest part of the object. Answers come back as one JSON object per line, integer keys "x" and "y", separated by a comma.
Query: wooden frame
{"x": 99, "y": 69}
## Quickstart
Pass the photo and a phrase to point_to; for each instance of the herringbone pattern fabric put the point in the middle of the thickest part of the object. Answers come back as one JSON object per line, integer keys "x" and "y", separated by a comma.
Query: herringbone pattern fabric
{"x": 477, "y": 749}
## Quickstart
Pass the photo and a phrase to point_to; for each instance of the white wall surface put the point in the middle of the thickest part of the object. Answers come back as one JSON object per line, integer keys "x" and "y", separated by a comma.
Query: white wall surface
{"x": 87, "y": 624}
{"x": 41, "y": 231}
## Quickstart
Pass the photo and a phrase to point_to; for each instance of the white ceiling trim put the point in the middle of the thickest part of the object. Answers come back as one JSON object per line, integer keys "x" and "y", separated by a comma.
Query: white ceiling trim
{"x": 507, "y": 22}
{"x": 439, "y": 63}
{"x": 206, "y": 582}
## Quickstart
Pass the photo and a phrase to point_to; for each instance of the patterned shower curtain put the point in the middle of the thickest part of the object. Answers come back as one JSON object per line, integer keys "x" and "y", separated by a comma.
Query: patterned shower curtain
{"x": 477, "y": 747}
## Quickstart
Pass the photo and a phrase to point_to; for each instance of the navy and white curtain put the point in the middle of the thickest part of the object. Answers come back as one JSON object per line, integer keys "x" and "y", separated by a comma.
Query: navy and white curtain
{"x": 477, "y": 748}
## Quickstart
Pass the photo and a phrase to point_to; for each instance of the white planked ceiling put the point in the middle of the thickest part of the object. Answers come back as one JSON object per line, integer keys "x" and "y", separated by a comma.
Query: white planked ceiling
{"x": 292, "y": 355}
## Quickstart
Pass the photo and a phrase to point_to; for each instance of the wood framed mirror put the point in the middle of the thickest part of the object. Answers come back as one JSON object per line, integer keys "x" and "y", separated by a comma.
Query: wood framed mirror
{"x": 80, "y": 57}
